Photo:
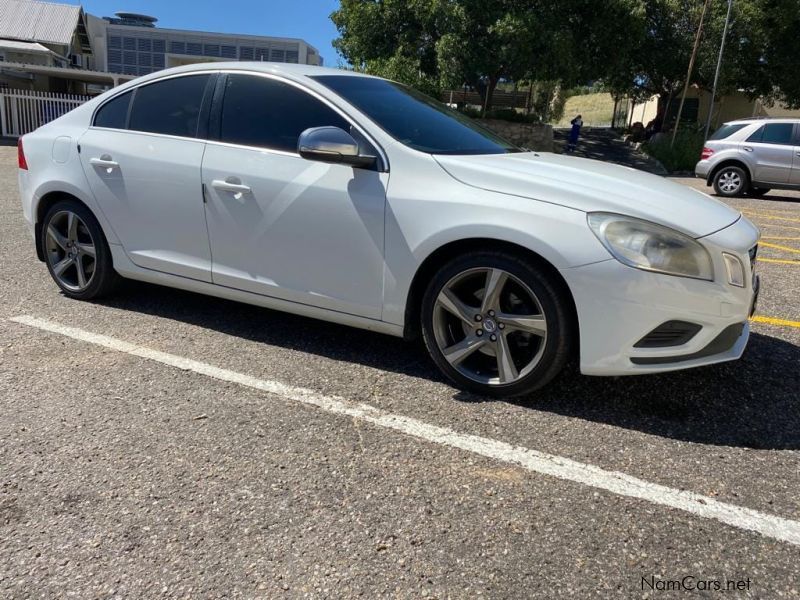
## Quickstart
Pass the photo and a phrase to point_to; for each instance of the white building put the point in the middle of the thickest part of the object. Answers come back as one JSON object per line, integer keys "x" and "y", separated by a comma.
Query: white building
{"x": 45, "y": 46}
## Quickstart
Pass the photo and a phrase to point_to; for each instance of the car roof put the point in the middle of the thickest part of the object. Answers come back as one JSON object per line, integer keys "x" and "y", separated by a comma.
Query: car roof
{"x": 287, "y": 69}
{"x": 761, "y": 120}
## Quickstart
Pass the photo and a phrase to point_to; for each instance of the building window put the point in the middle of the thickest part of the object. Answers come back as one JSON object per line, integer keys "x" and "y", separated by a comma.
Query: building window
{"x": 211, "y": 49}
{"x": 144, "y": 45}
{"x": 278, "y": 55}
{"x": 115, "y": 41}
{"x": 129, "y": 43}
{"x": 159, "y": 45}
{"x": 228, "y": 51}
{"x": 246, "y": 53}
{"x": 194, "y": 48}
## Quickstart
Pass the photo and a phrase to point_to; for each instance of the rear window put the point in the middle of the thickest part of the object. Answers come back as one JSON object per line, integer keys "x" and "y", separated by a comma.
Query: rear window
{"x": 727, "y": 131}
{"x": 170, "y": 107}
{"x": 114, "y": 114}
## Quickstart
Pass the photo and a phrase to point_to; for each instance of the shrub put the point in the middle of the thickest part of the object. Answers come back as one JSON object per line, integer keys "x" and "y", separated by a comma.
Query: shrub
{"x": 682, "y": 156}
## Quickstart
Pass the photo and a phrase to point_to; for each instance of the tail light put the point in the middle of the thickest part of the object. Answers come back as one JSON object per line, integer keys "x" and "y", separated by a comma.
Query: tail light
{"x": 21, "y": 162}
{"x": 706, "y": 153}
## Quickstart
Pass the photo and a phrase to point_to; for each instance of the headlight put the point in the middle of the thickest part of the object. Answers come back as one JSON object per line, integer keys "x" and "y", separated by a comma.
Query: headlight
{"x": 651, "y": 247}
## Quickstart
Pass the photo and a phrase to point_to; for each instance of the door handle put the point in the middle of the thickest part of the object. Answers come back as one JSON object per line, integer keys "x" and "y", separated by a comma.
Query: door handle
{"x": 747, "y": 149}
{"x": 230, "y": 186}
{"x": 104, "y": 161}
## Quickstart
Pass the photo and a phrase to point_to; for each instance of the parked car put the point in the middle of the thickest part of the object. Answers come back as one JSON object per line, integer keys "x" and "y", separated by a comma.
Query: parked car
{"x": 357, "y": 200}
{"x": 752, "y": 156}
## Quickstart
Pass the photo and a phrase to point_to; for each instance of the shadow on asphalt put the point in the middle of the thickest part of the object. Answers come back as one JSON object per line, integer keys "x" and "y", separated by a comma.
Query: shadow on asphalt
{"x": 751, "y": 403}
{"x": 606, "y": 145}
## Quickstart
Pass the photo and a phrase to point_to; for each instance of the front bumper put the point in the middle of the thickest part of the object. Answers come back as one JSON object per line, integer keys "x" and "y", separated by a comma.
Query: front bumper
{"x": 618, "y": 306}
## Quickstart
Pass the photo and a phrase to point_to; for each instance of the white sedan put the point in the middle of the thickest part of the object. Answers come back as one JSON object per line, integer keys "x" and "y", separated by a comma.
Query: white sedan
{"x": 357, "y": 200}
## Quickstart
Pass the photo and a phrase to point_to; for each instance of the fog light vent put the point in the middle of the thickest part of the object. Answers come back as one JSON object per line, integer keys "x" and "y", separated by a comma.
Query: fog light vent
{"x": 671, "y": 333}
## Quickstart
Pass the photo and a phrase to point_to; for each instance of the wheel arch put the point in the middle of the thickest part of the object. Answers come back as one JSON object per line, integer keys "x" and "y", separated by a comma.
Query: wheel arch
{"x": 439, "y": 257}
{"x": 729, "y": 162}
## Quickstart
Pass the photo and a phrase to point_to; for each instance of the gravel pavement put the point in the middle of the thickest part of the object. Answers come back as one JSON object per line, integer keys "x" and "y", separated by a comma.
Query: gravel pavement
{"x": 124, "y": 477}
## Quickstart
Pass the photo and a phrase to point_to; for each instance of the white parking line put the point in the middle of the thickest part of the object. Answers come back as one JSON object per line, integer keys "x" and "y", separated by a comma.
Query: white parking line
{"x": 538, "y": 462}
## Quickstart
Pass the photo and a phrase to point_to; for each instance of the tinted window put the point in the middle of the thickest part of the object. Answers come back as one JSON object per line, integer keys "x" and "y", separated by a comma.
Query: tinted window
{"x": 773, "y": 133}
{"x": 257, "y": 111}
{"x": 778, "y": 133}
{"x": 415, "y": 119}
{"x": 170, "y": 107}
{"x": 114, "y": 113}
{"x": 727, "y": 131}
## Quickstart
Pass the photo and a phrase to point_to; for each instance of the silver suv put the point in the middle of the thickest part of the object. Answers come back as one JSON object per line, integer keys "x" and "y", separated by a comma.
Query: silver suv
{"x": 752, "y": 156}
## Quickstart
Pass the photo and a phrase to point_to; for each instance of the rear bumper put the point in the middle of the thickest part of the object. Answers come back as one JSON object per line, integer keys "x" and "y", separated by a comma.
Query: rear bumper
{"x": 703, "y": 169}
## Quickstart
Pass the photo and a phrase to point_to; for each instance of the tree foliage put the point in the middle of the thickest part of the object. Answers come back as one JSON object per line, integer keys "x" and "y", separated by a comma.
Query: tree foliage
{"x": 638, "y": 48}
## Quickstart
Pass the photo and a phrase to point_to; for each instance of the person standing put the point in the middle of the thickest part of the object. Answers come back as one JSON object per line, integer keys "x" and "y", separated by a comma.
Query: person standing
{"x": 576, "y": 123}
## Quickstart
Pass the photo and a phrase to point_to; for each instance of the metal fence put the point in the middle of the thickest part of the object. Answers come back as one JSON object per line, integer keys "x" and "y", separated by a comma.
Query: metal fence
{"x": 22, "y": 111}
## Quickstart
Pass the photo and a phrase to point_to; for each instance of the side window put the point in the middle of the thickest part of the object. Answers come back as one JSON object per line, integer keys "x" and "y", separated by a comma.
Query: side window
{"x": 778, "y": 133}
{"x": 257, "y": 111}
{"x": 171, "y": 107}
{"x": 114, "y": 113}
{"x": 774, "y": 133}
{"x": 757, "y": 136}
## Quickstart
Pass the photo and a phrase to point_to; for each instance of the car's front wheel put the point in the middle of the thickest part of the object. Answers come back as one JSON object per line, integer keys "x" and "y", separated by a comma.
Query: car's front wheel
{"x": 731, "y": 181}
{"x": 76, "y": 251}
{"x": 497, "y": 324}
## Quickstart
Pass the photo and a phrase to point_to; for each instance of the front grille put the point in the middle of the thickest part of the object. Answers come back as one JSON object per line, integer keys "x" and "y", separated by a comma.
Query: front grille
{"x": 671, "y": 333}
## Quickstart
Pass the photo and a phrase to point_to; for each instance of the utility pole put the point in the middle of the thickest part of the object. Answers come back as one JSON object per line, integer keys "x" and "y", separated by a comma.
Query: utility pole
{"x": 691, "y": 68}
{"x": 719, "y": 67}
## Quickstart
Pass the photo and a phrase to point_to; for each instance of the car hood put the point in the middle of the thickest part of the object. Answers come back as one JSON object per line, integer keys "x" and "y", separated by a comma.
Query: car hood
{"x": 592, "y": 186}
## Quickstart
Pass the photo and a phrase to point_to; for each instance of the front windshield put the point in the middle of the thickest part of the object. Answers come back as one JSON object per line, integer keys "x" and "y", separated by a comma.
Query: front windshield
{"x": 414, "y": 119}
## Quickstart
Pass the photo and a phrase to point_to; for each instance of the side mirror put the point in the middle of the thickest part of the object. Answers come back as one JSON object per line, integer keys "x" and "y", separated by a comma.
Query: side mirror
{"x": 332, "y": 145}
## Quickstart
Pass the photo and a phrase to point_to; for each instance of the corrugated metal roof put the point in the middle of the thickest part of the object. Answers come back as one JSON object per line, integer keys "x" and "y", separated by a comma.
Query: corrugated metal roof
{"x": 23, "y": 46}
{"x": 38, "y": 21}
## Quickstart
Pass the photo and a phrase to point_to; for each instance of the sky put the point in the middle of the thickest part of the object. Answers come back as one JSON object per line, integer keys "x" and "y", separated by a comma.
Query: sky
{"x": 305, "y": 19}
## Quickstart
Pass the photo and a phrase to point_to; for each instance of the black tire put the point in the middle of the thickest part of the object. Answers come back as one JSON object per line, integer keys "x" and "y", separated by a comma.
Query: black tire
{"x": 757, "y": 192}
{"x": 727, "y": 174}
{"x": 556, "y": 308}
{"x": 102, "y": 279}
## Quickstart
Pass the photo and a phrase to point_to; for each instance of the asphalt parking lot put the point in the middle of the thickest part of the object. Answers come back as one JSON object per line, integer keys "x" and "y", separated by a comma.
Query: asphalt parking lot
{"x": 165, "y": 444}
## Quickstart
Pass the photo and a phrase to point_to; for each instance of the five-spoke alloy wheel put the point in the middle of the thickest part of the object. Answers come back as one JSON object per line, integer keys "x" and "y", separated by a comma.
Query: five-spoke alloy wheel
{"x": 76, "y": 251}
{"x": 496, "y": 324}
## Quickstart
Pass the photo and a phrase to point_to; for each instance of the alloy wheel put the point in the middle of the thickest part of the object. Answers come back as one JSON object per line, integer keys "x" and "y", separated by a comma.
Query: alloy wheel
{"x": 71, "y": 251}
{"x": 490, "y": 326}
{"x": 730, "y": 182}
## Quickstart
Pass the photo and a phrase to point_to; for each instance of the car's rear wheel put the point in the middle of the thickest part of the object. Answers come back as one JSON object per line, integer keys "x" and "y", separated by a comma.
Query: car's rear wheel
{"x": 757, "y": 192}
{"x": 731, "y": 181}
{"x": 76, "y": 251}
{"x": 496, "y": 324}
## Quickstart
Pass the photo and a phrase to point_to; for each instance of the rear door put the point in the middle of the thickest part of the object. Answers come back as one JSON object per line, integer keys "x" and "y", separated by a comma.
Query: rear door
{"x": 772, "y": 152}
{"x": 142, "y": 158}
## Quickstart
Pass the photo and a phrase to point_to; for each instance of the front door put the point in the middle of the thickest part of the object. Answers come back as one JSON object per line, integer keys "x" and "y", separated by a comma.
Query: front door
{"x": 771, "y": 149}
{"x": 284, "y": 226}
{"x": 142, "y": 158}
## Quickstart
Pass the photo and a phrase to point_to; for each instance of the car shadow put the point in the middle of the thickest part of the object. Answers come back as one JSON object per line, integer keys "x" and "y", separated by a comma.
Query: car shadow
{"x": 751, "y": 403}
